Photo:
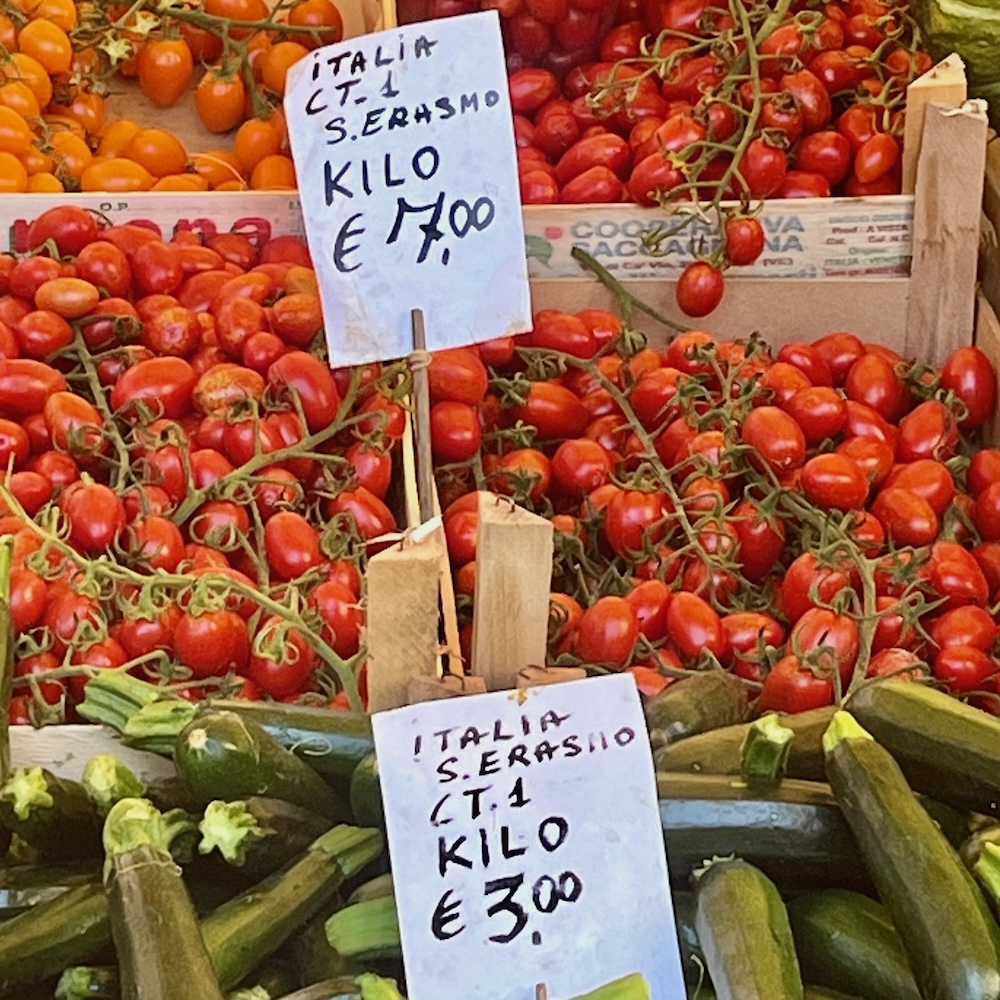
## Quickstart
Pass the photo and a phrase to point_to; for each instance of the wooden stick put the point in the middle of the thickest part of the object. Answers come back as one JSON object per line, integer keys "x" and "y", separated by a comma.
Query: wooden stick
{"x": 401, "y": 630}
{"x": 940, "y": 310}
{"x": 419, "y": 361}
{"x": 513, "y": 579}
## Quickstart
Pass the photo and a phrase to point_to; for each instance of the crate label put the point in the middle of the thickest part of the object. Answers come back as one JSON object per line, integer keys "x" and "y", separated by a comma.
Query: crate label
{"x": 260, "y": 217}
{"x": 814, "y": 238}
{"x": 526, "y": 844}
{"x": 404, "y": 147}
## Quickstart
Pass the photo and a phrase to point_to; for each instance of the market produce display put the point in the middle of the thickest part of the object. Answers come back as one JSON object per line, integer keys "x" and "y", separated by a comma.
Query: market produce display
{"x": 806, "y": 518}
{"x": 190, "y": 491}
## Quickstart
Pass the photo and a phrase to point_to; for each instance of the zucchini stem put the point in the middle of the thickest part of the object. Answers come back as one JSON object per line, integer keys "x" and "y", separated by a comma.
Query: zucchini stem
{"x": 843, "y": 727}
{"x": 230, "y": 828}
{"x": 765, "y": 750}
{"x": 987, "y": 872}
{"x": 27, "y": 789}
{"x": 366, "y": 930}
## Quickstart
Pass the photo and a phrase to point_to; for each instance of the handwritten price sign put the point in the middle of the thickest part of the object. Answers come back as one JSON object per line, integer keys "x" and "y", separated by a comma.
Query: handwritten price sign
{"x": 404, "y": 147}
{"x": 526, "y": 843}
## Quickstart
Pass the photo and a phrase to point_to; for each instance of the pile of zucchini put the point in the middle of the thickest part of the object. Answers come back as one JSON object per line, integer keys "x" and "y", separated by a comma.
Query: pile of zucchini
{"x": 823, "y": 856}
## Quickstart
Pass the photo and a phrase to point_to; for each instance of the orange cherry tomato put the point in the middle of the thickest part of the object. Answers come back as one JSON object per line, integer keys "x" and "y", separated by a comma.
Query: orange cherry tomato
{"x": 159, "y": 151}
{"x": 116, "y": 174}
{"x": 238, "y": 10}
{"x": 218, "y": 166}
{"x": 8, "y": 33}
{"x": 231, "y": 186}
{"x": 220, "y": 100}
{"x": 45, "y": 183}
{"x": 72, "y": 154}
{"x": 181, "y": 182}
{"x": 116, "y": 135}
{"x": 18, "y": 97}
{"x": 317, "y": 14}
{"x": 205, "y": 47}
{"x": 256, "y": 139}
{"x": 165, "y": 70}
{"x": 13, "y": 176}
{"x": 62, "y": 13}
{"x": 21, "y": 66}
{"x": 48, "y": 43}
{"x": 86, "y": 108}
{"x": 276, "y": 63}
{"x": 15, "y": 136}
{"x": 37, "y": 162}
{"x": 273, "y": 173}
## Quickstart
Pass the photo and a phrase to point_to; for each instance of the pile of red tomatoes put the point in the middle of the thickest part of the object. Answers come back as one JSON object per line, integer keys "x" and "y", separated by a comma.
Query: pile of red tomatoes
{"x": 806, "y": 518}
{"x": 688, "y": 99}
{"x": 189, "y": 486}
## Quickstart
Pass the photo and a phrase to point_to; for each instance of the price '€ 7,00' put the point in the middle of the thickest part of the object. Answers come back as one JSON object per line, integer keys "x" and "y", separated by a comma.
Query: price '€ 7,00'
{"x": 404, "y": 148}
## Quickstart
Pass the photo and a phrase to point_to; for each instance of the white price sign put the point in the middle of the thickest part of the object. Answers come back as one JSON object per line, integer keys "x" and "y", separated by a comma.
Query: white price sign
{"x": 404, "y": 146}
{"x": 526, "y": 845}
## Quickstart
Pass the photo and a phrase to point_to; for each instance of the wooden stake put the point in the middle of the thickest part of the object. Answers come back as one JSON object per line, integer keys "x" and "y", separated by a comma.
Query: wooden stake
{"x": 401, "y": 630}
{"x": 446, "y": 686}
{"x": 943, "y": 84}
{"x": 513, "y": 577}
{"x": 946, "y": 230}
{"x": 419, "y": 361}
{"x": 539, "y": 676}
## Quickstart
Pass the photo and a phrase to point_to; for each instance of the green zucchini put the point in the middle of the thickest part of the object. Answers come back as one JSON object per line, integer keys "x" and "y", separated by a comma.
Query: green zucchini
{"x": 223, "y": 756}
{"x": 374, "y": 888}
{"x": 107, "y": 781}
{"x": 366, "y": 793}
{"x": 171, "y": 793}
{"x": 708, "y": 699}
{"x": 151, "y": 717}
{"x": 366, "y": 986}
{"x": 332, "y": 743}
{"x": 74, "y": 927}
{"x": 275, "y": 977}
{"x": 53, "y": 815}
{"x": 631, "y": 987}
{"x": 848, "y": 941}
{"x": 719, "y": 751}
{"x": 310, "y": 951}
{"x": 243, "y": 932}
{"x": 89, "y": 982}
{"x": 47, "y": 876}
{"x": 945, "y": 748}
{"x": 258, "y": 835}
{"x": 972, "y": 849}
{"x": 366, "y": 931}
{"x": 161, "y": 952}
{"x": 794, "y": 832}
{"x": 744, "y": 933}
{"x": 947, "y": 931}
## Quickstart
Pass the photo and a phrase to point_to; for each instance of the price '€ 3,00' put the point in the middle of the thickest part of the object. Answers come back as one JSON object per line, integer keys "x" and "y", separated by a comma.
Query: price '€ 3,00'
{"x": 404, "y": 148}
{"x": 515, "y": 822}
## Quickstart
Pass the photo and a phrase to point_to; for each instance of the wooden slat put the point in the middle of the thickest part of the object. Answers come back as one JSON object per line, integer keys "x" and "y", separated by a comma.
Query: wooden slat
{"x": 513, "y": 577}
{"x": 401, "y": 627}
{"x": 944, "y": 85}
{"x": 781, "y": 309}
{"x": 946, "y": 228}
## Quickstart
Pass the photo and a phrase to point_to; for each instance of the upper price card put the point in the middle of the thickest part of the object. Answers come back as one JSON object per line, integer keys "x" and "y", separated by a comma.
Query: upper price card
{"x": 404, "y": 147}
{"x": 526, "y": 844}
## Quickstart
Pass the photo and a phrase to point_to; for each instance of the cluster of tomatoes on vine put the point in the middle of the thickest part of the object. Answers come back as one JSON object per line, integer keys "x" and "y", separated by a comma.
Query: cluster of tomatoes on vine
{"x": 808, "y": 518}
{"x": 686, "y": 102}
{"x": 190, "y": 488}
